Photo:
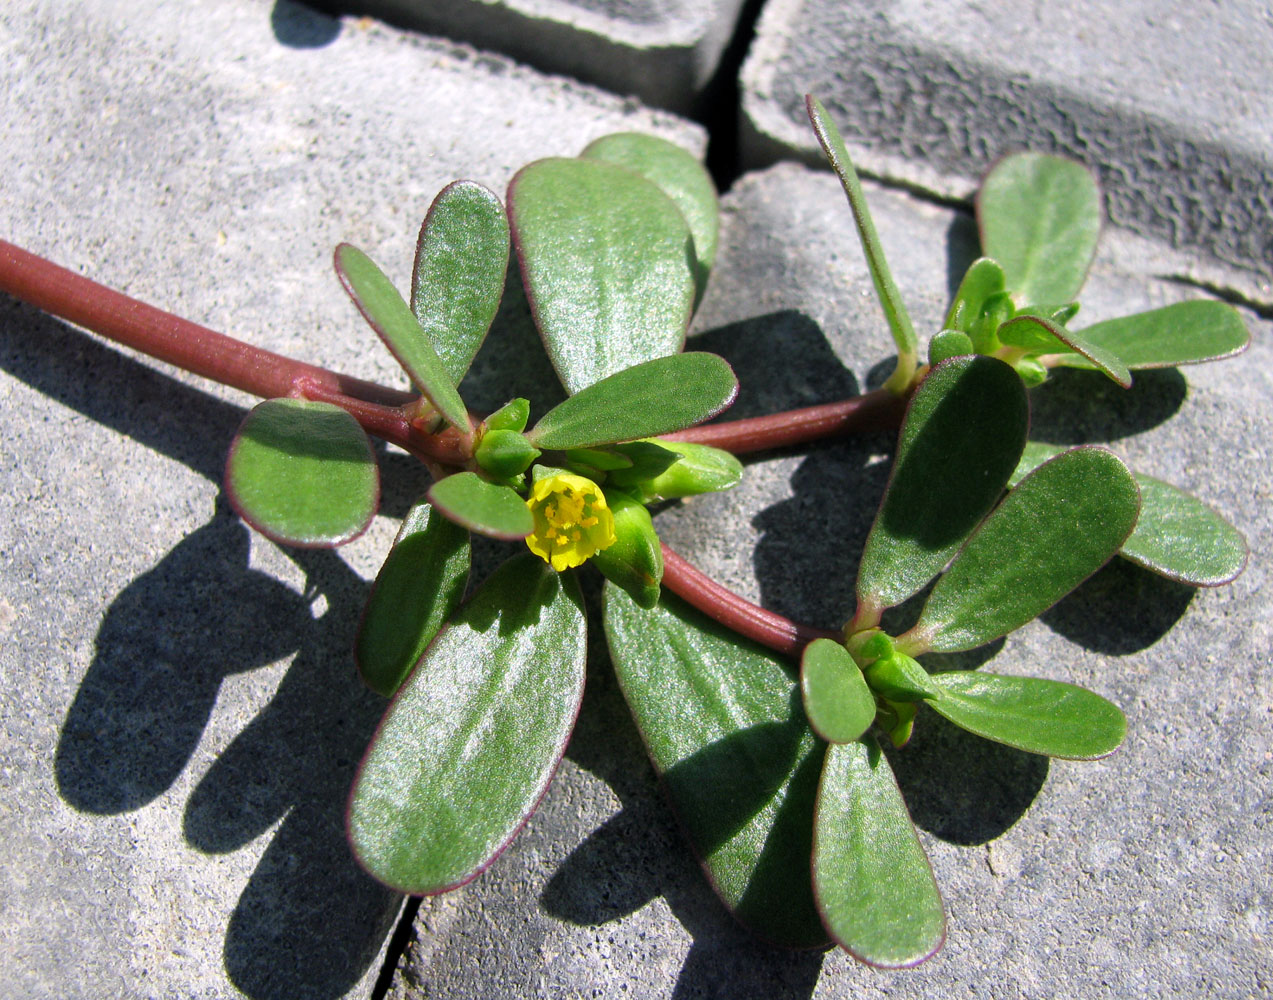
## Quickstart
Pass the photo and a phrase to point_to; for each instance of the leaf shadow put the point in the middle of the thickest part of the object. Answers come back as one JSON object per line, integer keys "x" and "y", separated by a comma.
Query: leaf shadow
{"x": 1085, "y": 407}
{"x": 308, "y": 920}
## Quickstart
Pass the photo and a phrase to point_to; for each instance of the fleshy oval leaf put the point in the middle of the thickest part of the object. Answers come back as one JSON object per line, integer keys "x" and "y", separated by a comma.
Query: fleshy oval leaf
{"x": 961, "y": 439}
{"x": 722, "y": 723}
{"x": 1185, "y": 333}
{"x": 656, "y": 397}
{"x": 1054, "y": 530}
{"x": 470, "y": 743}
{"x": 874, "y": 886}
{"x": 1031, "y": 713}
{"x": 394, "y": 322}
{"x": 1177, "y": 535}
{"x": 606, "y": 259}
{"x": 303, "y": 473}
{"x": 678, "y": 175}
{"x": 1040, "y": 217}
{"x": 836, "y": 699}
{"x": 461, "y": 261}
{"x": 418, "y": 587}
{"x": 486, "y": 508}
{"x": 1036, "y": 335}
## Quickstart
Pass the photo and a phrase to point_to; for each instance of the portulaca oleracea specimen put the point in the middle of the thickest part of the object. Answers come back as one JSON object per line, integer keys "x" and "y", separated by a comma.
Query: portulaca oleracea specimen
{"x": 766, "y": 732}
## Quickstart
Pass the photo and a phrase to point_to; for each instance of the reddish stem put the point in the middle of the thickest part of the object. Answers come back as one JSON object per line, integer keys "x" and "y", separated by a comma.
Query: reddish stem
{"x": 737, "y": 613}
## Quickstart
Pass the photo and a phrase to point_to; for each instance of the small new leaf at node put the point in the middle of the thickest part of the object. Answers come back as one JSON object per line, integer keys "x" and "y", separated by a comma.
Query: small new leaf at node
{"x": 303, "y": 473}
{"x": 657, "y": 397}
{"x": 461, "y": 261}
{"x": 1030, "y": 713}
{"x": 607, "y": 261}
{"x": 983, "y": 279}
{"x": 1177, "y": 535}
{"x": 1060, "y": 525}
{"x": 1038, "y": 335}
{"x": 961, "y": 439}
{"x": 874, "y": 886}
{"x": 722, "y": 722}
{"x": 486, "y": 508}
{"x": 836, "y": 699}
{"x": 397, "y": 326}
{"x": 420, "y": 584}
{"x": 432, "y": 805}
{"x": 1040, "y": 217}
{"x": 1186, "y": 333}
{"x": 678, "y": 175}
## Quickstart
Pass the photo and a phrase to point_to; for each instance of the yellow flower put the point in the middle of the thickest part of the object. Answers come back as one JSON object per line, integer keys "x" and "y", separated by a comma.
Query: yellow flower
{"x": 572, "y": 521}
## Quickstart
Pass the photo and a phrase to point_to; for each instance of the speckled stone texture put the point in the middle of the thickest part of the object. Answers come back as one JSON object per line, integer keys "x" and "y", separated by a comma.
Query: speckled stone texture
{"x": 1141, "y": 875}
{"x": 179, "y": 716}
{"x": 664, "y": 52}
{"x": 1170, "y": 101}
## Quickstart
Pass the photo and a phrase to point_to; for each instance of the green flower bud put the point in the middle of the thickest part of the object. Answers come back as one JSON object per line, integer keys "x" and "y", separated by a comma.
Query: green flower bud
{"x": 505, "y": 453}
{"x": 1032, "y": 373}
{"x": 996, "y": 311}
{"x": 512, "y": 416}
{"x": 698, "y": 469}
{"x": 635, "y": 559}
{"x": 948, "y": 344}
{"x": 899, "y": 678}
{"x": 897, "y": 719}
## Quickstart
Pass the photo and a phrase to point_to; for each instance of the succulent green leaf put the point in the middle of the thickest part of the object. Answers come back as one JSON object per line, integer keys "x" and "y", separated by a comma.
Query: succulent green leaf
{"x": 948, "y": 344}
{"x": 836, "y": 699}
{"x": 1032, "y": 714}
{"x": 475, "y": 733}
{"x": 1056, "y": 528}
{"x": 1177, "y": 535}
{"x": 486, "y": 508}
{"x": 874, "y": 886}
{"x": 1185, "y": 333}
{"x": 607, "y": 261}
{"x": 461, "y": 261}
{"x": 512, "y": 416}
{"x": 899, "y": 321}
{"x": 961, "y": 439}
{"x": 419, "y": 586}
{"x": 1037, "y": 335}
{"x": 1040, "y": 217}
{"x": 983, "y": 279}
{"x": 656, "y": 397}
{"x": 303, "y": 473}
{"x": 722, "y": 722}
{"x": 397, "y": 326}
{"x": 678, "y": 175}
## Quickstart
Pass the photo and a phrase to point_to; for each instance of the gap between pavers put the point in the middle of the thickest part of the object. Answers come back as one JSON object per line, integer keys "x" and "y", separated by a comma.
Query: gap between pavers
{"x": 1169, "y": 102}
{"x": 180, "y": 718}
{"x": 1131, "y": 876}
{"x": 661, "y": 51}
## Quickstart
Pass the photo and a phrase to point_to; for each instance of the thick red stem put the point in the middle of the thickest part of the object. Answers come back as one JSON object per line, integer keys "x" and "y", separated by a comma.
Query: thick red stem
{"x": 737, "y": 613}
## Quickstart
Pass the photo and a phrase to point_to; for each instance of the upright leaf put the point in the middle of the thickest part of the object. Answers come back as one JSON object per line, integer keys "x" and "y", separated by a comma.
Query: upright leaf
{"x": 1185, "y": 333}
{"x": 607, "y": 260}
{"x": 874, "y": 886}
{"x": 1040, "y": 217}
{"x": 961, "y": 439}
{"x": 395, "y": 323}
{"x": 680, "y": 176}
{"x": 487, "y": 508}
{"x": 1030, "y": 713}
{"x": 303, "y": 473}
{"x": 983, "y": 279}
{"x": 1176, "y": 536}
{"x": 461, "y": 261}
{"x": 657, "y": 397}
{"x": 473, "y": 737}
{"x": 1056, "y": 528}
{"x": 721, "y": 720}
{"x": 420, "y": 584}
{"x": 895, "y": 313}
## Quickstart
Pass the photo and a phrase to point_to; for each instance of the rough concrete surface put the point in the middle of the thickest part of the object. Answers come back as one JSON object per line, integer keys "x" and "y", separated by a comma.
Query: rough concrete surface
{"x": 662, "y": 51}
{"x": 180, "y": 719}
{"x": 1169, "y": 102}
{"x": 1143, "y": 875}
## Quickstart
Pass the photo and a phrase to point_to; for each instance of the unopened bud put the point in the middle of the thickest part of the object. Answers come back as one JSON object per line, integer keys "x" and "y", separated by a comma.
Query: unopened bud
{"x": 635, "y": 559}
{"x": 505, "y": 453}
{"x": 698, "y": 469}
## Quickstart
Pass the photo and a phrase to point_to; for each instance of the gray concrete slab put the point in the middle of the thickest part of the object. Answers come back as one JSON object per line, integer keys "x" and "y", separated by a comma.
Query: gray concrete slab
{"x": 661, "y": 51}
{"x": 1170, "y": 102}
{"x": 1142, "y": 875}
{"x": 179, "y": 719}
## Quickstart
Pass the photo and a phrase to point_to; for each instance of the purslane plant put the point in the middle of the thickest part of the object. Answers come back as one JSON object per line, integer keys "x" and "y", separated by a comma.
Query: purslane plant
{"x": 766, "y": 732}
